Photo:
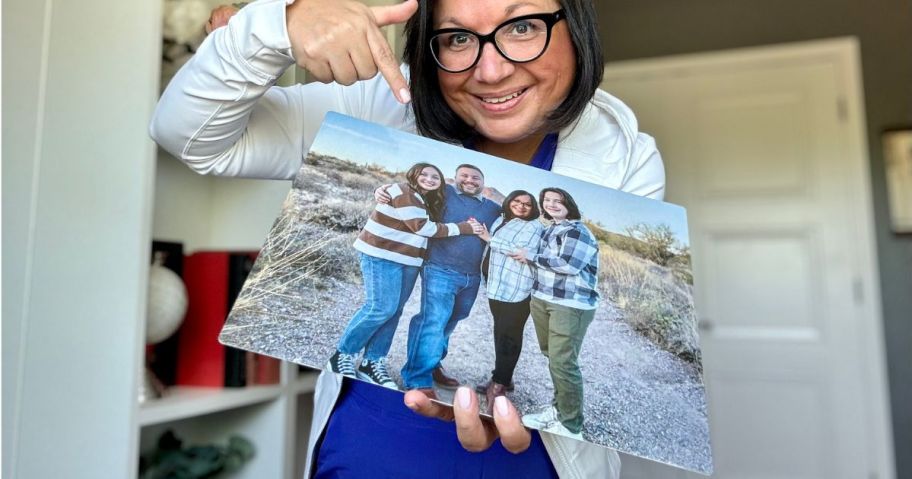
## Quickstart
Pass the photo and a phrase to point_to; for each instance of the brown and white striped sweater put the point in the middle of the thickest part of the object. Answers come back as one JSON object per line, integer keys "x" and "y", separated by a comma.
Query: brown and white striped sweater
{"x": 398, "y": 231}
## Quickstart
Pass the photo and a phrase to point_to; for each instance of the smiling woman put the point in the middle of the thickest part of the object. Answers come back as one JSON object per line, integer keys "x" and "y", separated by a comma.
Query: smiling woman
{"x": 496, "y": 98}
{"x": 529, "y": 94}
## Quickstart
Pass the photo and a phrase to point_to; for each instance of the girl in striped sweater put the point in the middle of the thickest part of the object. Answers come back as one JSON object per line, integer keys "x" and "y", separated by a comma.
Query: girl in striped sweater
{"x": 392, "y": 246}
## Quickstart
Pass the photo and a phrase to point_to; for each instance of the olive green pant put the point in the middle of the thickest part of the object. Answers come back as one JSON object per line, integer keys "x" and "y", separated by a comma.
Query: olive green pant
{"x": 560, "y": 330}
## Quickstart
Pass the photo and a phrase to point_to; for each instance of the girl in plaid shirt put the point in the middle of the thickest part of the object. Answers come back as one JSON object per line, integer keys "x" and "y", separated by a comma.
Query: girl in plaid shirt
{"x": 564, "y": 299}
{"x": 509, "y": 285}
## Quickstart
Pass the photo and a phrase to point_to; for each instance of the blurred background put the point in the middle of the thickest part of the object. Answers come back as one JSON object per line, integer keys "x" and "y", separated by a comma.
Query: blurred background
{"x": 771, "y": 117}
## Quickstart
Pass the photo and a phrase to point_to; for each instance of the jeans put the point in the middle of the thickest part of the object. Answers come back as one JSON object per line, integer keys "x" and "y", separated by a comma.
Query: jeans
{"x": 447, "y": 297}
{"x": 387, "y": 286}
{"x": 560, "y": 331}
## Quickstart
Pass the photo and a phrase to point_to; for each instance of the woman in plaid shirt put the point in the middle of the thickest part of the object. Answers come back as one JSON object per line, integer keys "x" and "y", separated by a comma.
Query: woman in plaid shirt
{"x": 564, "y": 299}
{"x": 509, "y": 285}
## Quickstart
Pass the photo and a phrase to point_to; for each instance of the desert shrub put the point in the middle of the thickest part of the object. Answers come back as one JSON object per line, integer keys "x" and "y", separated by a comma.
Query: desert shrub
{"x": 363, "y": 182}
{"x": 653, "y": 300}
{"x": 656, "y": 242}
{"x": 337, "y": 215}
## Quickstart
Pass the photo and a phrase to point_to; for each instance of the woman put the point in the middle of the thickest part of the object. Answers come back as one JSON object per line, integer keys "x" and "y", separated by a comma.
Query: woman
{"x": 392, "y": 246}
{"x": 564, "y": 299}
{"x": 221, "y": 114}
{"x": 509, "y": 285}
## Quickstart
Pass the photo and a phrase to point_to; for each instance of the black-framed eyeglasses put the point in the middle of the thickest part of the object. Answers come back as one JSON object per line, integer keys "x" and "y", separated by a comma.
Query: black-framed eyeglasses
{"x": 520, "y": 40}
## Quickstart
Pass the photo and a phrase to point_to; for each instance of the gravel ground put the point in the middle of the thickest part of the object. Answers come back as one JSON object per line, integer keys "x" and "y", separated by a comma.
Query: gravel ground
{"x": 640, "y": 399}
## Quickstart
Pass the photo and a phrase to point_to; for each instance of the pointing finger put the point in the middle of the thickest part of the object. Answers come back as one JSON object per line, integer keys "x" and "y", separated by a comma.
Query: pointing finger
{"x": 388, "y": 65}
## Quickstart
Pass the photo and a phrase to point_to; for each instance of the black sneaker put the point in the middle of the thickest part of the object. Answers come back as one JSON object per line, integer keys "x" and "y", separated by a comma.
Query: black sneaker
{"x": 341, "y": 363}
{"x": 375, "y": 372}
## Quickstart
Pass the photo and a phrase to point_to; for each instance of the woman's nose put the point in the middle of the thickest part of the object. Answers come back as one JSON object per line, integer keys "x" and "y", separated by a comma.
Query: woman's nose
{"x": 492, "y": 67}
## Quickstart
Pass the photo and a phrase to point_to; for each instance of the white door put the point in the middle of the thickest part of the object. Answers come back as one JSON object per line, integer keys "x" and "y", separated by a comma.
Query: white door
{"x": 765, "y": 149}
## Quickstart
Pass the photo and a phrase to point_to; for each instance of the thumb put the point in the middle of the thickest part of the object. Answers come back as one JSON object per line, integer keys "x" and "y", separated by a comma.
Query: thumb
{"x": 390, "y": 14}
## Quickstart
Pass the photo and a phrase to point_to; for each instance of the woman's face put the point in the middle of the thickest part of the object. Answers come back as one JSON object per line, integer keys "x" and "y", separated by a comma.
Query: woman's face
{"x": 521, "y": 206}
{"x": 429, "y": 179}
{"x": 553, "y": 203}
{"x": 504, "y": 101}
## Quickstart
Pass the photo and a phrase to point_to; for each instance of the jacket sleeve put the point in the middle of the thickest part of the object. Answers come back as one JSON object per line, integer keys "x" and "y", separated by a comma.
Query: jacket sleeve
{"x": 646, "y": 177}
{"x": 221, "y": 113}
{"x": 414, "y": 215}
{"x": 574, "y": 459}
{"x": 326, "y": 393}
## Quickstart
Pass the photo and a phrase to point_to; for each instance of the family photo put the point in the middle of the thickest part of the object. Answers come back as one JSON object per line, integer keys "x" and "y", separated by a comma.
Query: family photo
{"x": 412, "y": 264}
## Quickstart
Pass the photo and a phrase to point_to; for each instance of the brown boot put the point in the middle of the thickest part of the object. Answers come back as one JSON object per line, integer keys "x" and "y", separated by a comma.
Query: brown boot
{"x": 442, "y": 380}
{"x": 482, "y": 388}
{"x": 494, "y": 390}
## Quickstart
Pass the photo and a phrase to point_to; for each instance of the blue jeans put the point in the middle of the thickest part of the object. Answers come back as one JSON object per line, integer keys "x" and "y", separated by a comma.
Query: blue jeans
{"x": 387, "y": 286}
{"x": 447, "y": 297}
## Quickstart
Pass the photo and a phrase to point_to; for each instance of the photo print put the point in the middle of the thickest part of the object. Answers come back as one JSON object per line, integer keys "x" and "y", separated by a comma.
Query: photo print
{"x": 409, "y": 263}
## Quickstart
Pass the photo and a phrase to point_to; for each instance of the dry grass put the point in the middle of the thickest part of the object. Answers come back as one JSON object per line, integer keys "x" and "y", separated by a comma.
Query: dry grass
{"x": 655, "y": 300}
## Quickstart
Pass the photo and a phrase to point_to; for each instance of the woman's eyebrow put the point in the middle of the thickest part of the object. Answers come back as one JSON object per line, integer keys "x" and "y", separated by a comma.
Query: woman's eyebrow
{"x": 513, "y": 7}
{"x": 507, "y": 12}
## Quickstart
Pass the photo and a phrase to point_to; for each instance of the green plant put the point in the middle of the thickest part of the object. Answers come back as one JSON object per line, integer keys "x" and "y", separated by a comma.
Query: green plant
{"x": 170, "y": 460}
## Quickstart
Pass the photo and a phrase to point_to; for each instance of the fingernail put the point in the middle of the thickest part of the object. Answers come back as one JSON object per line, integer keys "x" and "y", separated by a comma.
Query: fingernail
{"x": 500, "y": 406}
{"x": 404, "y": 95}
{"x": 462, "y": 396}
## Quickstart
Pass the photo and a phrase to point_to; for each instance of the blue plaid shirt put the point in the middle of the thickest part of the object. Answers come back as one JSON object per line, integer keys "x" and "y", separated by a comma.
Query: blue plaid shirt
{"x": 509, "y": 280}
{"x": 567, "y": 265}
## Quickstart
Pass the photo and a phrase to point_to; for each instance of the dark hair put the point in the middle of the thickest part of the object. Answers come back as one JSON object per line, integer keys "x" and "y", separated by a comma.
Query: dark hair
{"x": 508, "y": 213}
{"x": 435, "y": 119}
{"x": 433, "y": 199}
{"x": 573, "y": 212}
{"x": 473, "y": 167}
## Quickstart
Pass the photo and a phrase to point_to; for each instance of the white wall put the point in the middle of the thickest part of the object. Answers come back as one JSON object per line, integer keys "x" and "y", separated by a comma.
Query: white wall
{"x": 212, "y": 213}
{"x": 79, "y": 86}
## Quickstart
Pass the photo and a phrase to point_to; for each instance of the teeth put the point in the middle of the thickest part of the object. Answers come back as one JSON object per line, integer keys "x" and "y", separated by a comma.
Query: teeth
{"x": 502, "y": 99}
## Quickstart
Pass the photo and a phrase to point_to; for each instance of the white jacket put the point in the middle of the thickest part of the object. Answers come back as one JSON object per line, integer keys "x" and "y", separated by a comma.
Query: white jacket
{"x": 221, "y": 115}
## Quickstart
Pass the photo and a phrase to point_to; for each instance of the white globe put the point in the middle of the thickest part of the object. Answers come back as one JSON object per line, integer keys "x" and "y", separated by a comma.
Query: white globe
{"x": 167, "y": 304}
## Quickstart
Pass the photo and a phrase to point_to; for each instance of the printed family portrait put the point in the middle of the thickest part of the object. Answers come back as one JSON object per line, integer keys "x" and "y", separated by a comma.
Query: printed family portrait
{"x": 414, "y": 264}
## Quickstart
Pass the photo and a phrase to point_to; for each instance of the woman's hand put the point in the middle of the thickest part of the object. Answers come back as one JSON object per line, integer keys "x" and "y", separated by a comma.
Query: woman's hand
{"x": 474, "y": 434}
{"x": 219, "y": 17}
{"x": 341, "y": 41}
{"x": 480, "y": 229}
{"x": 521, "y": 255}
{"x": 381, "y": 196}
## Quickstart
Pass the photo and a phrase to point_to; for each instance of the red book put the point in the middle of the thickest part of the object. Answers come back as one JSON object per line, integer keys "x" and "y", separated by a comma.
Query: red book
{"x": 214, "y": 280}
{"x": 267, "y": 370}
{"x": 200, "y": 357}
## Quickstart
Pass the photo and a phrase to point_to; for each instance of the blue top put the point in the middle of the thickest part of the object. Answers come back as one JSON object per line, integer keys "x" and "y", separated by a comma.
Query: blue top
{"x": 544, "y": 155}
{"x": 371, "y": 433}
{"x": 462, "y": 253}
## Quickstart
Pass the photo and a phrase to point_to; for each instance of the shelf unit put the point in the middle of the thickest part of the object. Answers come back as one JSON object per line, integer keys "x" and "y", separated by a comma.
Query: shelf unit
{"x": 275, "y": 418}
{"x": 212, "y": 213}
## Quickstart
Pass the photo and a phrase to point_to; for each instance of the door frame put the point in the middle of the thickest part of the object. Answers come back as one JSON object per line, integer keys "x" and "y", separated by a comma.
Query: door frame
{"x": 845, "y": 54}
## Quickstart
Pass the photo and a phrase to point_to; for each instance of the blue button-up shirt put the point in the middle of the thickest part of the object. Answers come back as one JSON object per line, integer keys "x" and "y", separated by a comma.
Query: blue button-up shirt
{"x": 462, "y": 253}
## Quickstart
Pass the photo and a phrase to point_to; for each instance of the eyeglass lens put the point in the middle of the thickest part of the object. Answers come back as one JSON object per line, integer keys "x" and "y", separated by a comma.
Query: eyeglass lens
{"x": 519, "y": 41}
